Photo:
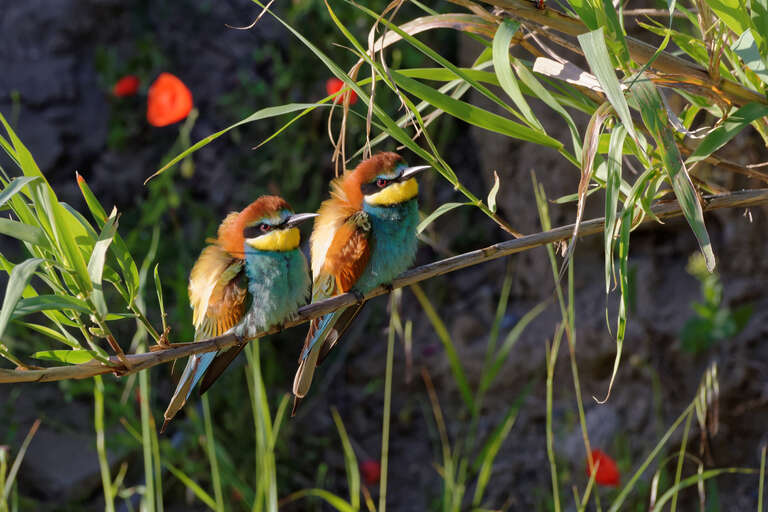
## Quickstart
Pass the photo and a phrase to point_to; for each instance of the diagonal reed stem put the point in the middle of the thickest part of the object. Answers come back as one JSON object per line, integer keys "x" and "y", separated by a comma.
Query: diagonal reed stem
{"x": 138, "y": 362}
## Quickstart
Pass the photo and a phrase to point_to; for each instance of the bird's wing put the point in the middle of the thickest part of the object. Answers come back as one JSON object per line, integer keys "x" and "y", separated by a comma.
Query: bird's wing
{"x": 218, "y": 296}
{"x": 217, "y": 292}
{"x": 345, "y": 260}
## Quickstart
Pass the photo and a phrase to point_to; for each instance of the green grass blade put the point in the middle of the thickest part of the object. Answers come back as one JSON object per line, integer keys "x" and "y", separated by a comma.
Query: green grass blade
{"x": 386, "y": 413}
{"x": 97, "y": 260}
{"x": 101, "y": 444}
{"x": 473, "y": 115}
{"x": 46, "y": 303}
{"x": 350, "y": 461}
{"x": 14, "y": 187}
{"x": 509, "y": 342}
{"x": 11, "y": 477}
{"x": 210, "y": 448}
{"x": 503, "y": 68}
{"x": 76, "y": 356}
{"x": 613, "y": 166}
{"x": 440, "y": 210}
{"x": 695, "y": 479}
{"x": 191, "y": 485}
{"x": 118, "y": 248}
{"x": 732, "y": 126}
{"x": 450, "y": 350}
{"x": 150, "y": 469}
{"x": 654, "y": 117}
{"x": 70, "y": 341}
{"x": 761, "y": 484}
{"x": 493, "y": 445}
{"x": 732, "y": 12}
{"x": 259, "y": 115}
{"x": 19, "y": 278}
{"x": 330, "y": 498}
{"x": 596, "y": 53}
{"x": 24, "y": 232}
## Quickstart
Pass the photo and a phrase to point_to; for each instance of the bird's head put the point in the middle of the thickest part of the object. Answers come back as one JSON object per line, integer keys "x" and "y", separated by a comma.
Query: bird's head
{"x": 267, "y": 224}
{"x": 386, "y": 180}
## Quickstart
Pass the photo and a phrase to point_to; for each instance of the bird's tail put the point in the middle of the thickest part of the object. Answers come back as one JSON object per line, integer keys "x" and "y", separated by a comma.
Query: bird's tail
{"x": 196, "y": 367}
{"x": 320, "y": 334}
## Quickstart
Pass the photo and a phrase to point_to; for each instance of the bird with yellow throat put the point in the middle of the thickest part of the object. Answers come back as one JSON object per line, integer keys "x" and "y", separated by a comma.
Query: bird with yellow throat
{"x": 364, "y": 236}
{"x": 251, "y": 277}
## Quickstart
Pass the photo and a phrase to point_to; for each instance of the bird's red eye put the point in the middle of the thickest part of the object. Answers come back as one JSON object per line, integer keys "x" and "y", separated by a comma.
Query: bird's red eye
{"x": 265, "y": 227}
{"x": 381, "y": 183}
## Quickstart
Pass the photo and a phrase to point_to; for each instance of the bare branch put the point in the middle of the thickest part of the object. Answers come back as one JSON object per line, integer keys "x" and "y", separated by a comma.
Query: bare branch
{"x": 138, "y": 362}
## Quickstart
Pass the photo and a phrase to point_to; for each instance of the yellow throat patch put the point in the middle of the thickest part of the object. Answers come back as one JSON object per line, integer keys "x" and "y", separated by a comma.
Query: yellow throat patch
{"x": 394, "y": 194}
{"x": 278, "y": 240}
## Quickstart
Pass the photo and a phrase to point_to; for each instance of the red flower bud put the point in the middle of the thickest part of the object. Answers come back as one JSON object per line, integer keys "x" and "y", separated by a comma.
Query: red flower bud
{"x": 607, "y": 472}
{"x": 334, "y": 85}
{"x": 169, "y": 100}
{"x": 371, "y": 471}
{"x": 126, "y": 86}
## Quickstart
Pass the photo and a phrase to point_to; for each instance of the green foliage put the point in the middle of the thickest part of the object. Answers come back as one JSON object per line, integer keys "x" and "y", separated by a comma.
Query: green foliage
{"x": 711, "y": 321}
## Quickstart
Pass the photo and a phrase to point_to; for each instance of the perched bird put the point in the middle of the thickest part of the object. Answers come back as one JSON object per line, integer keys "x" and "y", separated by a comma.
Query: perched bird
{"x": 364, "y": 236}
{"x": 251, "y": 277}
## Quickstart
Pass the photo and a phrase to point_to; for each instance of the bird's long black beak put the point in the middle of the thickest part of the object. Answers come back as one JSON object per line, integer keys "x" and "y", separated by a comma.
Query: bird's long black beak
{"x": 410, "y": 172}
{"x": 298, "y": 218}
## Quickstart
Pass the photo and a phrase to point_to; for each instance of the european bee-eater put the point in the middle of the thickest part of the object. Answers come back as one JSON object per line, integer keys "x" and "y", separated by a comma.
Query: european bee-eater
{"x": 251, "y": 277}
{"x": 364, "y": 236}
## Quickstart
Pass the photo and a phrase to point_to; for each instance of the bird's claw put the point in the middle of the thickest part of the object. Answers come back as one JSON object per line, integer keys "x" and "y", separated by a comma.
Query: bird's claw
{"x": 388, "y": 287}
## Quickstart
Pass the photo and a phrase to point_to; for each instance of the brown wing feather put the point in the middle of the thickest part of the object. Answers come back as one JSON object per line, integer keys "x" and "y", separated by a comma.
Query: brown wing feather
{"x": 348, "y": 255}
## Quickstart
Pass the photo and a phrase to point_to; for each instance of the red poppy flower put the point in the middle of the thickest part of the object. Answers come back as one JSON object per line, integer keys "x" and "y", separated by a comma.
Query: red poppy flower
{"x": 371, "y": 470}
{"x": 334, "y": 85}
{"x": 607, "y": 472}
{"x": 126, "y": 86}
{"x": 169, "y": 100}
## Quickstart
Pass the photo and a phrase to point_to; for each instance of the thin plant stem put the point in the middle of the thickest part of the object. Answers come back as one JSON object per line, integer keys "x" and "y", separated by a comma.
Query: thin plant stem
{"x": 150, "y": 499}
{"x": 387, "y": 407}
{"x": 761, "y": 485}
{"x": 101, "y": 446}
{"x": 210, "y": 447}
{"x": 680, "y": 460}
{"x": 551, "y": 361}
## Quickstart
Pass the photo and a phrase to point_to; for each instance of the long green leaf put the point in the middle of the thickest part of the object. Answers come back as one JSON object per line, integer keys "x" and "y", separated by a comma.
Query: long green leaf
{"x": 118, "y": 248}
{"x": 732, "y": 12}
{"x": 732, "y": 126}
{"x": 24, "y": 232}
{"x": 596, "y": 53}
{"x": 264, "y": 113}
{"x": 20, "y": 276}
{"x": 613, "y": 166}
{"x": 96, "y": 263}
{"x": 450, "y": 350}
{"x": 693, "y": 480}
{"x": 48, "y": 302}
{"x": 350, "y": 461}
{"x": 474, "y": 115}
{"x": 14, "y": 186}
{"x": 52, "y": 333}
{"x": 653, "y": 113}
{"x": 503, "y": 68}
{"x": 493, "y": 445}
{"x": 191, "y": 485}
{"x": 76, "y": 356}
{"x": 440, "y": 210}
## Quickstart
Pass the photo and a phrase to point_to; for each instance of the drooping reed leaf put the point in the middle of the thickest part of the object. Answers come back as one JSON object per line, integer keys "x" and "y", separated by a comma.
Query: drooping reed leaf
{"x": 732, "y": 126}
{"x": 653, "y": 113}
{"x": 19, "y": 277}
{"x": 596, "y": 53}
